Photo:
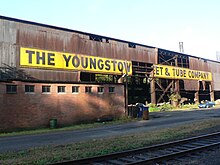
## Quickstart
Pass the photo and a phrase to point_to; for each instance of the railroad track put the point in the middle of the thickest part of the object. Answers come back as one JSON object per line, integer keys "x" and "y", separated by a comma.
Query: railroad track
{"x": 156, "y": 154}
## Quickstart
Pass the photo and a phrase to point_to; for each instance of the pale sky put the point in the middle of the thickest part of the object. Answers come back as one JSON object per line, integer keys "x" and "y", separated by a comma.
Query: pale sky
{"x": 159, "y": 23}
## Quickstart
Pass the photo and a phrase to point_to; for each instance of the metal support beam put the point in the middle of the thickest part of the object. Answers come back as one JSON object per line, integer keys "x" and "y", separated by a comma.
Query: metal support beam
{"x": 164, "y": 92}
{"x": 212, "y": 96}
{"x": 177, "y": 86}
{"x": 152, "y": 91}
{"x": 196, "y": 98}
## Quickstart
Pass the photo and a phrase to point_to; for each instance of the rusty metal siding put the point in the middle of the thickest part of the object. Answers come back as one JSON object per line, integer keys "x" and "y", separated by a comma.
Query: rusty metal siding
{"x": 52, "y": 75}
{"x": 7, "y": 54}
{"x": 195, "y": 63}
{"x": 215, "y": 70}
{"x": 198, "y": 64}
{"x": 7, "y": 31}
{"x": 190, "y": 85}
{"x": 62, "y": 41}
{"x": 7, "y": 43}
{"x": 14, "y": 34}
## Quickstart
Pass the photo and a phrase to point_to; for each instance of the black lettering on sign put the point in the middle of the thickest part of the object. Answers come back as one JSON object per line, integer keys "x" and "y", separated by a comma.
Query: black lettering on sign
{"x": 51, "y": 59}
{"x": 120, "y": 66}
{"x": 128, "y": 65}
{"x": 40, "y": 58}
{"x": 30, "y": 53}
{"x": 174, "y": 72}
{"x": 107, "y": 65}
{"x": 207, "y": 75}
{"x": 92, "y": 63}
{"x": 177, "y": 72}
{"x": 166, "y": 72}
{"x": 84, "y": 62}
{"x": 156, "y": 71}
{"x": 184, "y": 73}
{"x": 75, "y": 61}
{"x": 67, "y": 59}
{"x": 100, "y": 64}
{"x": 180, "y": 72}
{"x": 189, "y": 74}
{"x": 192, "y": 74}
{"x": 114, "y": 63}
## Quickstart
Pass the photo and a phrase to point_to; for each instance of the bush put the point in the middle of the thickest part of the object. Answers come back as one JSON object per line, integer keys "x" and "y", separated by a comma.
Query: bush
{"x": 189, "y": 106}
{"x": 152, "y": 105}
{"x": 166, "y": 107}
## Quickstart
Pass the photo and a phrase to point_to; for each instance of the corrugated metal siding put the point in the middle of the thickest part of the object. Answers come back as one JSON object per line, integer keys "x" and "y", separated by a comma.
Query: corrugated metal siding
{"x": 190, "y": 85}
{"x": 14, "y": 35}
{"x": 195, "y": 64}
{"x": 62, "y": 41}
{"x": 52, "y": 75}
{"x": 51, "y": 39}
{"x": 7, "y": 43}
{"x": 7, "y": 31}
{"x": 198, "y": 64}
{"x": 215, "y": 69}
{"x": 7, "y": 54}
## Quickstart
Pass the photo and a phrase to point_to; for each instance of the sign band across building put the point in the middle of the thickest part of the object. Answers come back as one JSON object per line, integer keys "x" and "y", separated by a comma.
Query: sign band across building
{"x": 30, "y": 57}
{"x": 171, "y": 72}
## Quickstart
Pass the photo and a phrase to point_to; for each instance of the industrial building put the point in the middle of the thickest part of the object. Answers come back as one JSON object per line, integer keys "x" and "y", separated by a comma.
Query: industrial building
{"x": 51, "y": 72}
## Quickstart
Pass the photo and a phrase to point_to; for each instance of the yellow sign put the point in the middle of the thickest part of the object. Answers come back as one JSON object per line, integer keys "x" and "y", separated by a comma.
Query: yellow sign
{"x": 57, "y": 60}
{"x": 171, "y": 72}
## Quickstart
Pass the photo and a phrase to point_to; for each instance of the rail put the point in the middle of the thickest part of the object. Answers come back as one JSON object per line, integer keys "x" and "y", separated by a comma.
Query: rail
{"x": 153, "y": 154}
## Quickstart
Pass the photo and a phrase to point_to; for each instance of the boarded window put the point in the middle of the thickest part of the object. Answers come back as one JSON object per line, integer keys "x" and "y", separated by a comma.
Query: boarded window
{"x": 29, "y": 88}
{"x": 61, "y": 89}
{"x": 11, "y": 88}
{"x": 45, "y": 89}
{"x": 100, "y": 89}
{"x": 88, "y": 89}
{"x": 75, "y": 89}
{"x": 111, "y": 89}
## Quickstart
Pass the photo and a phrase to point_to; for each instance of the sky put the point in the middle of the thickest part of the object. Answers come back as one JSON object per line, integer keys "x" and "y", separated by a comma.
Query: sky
{"x": 158, "y": 23}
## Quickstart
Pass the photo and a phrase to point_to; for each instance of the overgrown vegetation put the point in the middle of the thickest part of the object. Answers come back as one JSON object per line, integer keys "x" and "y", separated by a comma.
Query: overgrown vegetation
{"x": 52, "y": 154}
{"x": 169, "y": 107}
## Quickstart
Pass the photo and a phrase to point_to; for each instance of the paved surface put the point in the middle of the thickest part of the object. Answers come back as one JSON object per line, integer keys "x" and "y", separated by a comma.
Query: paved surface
{"x": 157, "y": 120}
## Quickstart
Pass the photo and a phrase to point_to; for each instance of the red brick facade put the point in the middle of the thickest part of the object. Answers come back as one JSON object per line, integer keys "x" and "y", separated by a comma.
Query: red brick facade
{"x": 23, "y": 110}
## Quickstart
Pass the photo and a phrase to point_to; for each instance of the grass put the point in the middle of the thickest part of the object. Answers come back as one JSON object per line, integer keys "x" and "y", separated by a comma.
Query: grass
{"x": 67, "y": 128}
{"x": 52, "y": 154}
{"x": 152, "y": 108}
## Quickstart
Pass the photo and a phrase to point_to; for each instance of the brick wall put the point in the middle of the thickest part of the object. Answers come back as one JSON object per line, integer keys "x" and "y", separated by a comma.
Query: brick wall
{"x": 23, "y": 110}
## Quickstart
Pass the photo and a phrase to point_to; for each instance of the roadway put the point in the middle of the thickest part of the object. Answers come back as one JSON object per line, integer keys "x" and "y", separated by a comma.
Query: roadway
{"x": 157, "y": 120}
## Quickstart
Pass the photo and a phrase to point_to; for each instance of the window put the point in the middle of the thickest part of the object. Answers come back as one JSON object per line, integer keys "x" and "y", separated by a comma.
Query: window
{"x": 131, "y": 45}
{"x": 111, "y": 89}
{"x": 11, "y": 88}
{"x": 100, "y": 89}
{"x": 29, "y": 88}
{"x": 45, "y": 89}
{"x": 88, "y": 89}
{"x": 75, "y": 89}
{"x": 95, "y": 38}
{"x": 61, "y": 89}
